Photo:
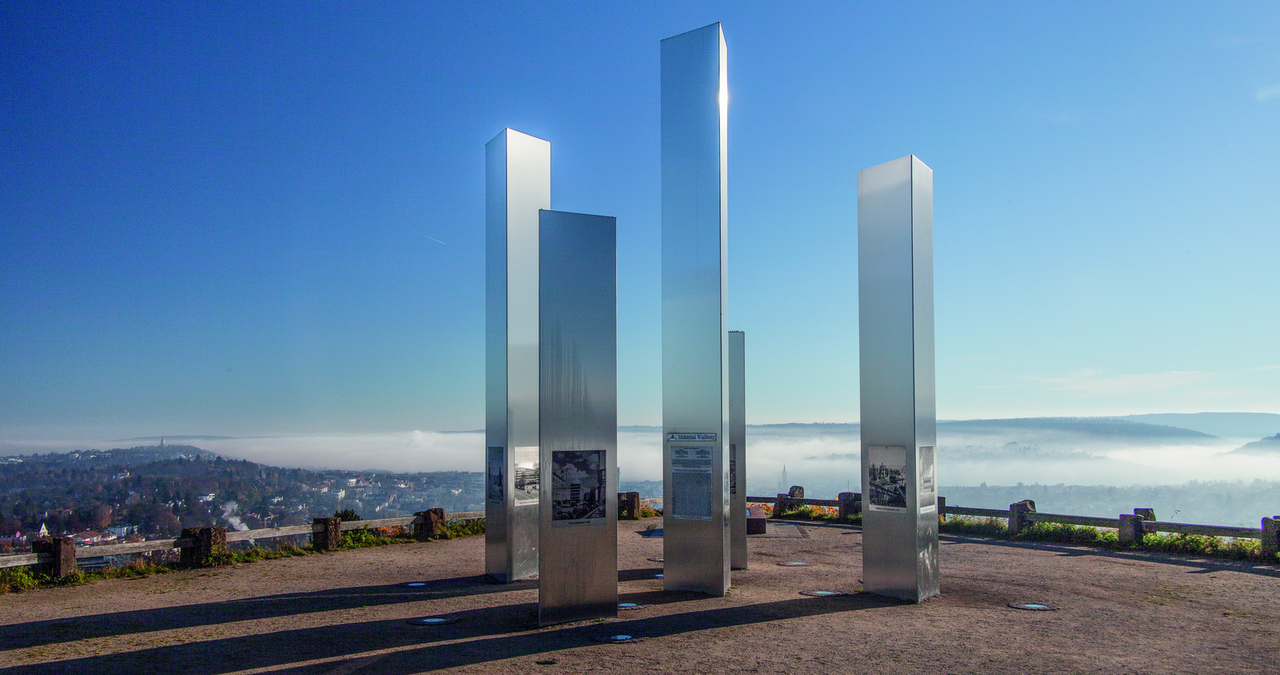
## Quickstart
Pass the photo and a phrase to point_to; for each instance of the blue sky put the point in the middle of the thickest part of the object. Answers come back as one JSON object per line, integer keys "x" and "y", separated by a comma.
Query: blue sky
{"x": 258, "y": 219}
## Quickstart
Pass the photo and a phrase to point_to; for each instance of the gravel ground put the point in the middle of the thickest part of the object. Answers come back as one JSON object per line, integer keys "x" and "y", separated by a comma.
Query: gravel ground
{"x": 345, "y": 613}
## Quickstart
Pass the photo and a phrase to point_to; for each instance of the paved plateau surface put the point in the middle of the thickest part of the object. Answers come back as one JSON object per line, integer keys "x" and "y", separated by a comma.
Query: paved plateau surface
{"x": 345, "y": 612}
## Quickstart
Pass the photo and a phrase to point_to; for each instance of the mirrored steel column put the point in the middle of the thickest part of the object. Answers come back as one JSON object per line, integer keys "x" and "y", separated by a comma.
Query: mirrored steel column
{"x": 578, "y": 547}
{"x": 738, "y": 449}
{"x": 899, "y": 427}
{"x": 517, "y": 185}
{"x": 695, "y": 404}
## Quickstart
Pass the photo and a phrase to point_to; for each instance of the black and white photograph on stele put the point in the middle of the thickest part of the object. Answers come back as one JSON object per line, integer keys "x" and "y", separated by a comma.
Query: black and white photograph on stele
{"x": 927, "y": 467}
{"x": 493, "y": 476}
{"x": 525, "y": 476}
{"x": 577, "y": 485}
{"x": 886, "y": 478}
{"x": 733, "y": 468}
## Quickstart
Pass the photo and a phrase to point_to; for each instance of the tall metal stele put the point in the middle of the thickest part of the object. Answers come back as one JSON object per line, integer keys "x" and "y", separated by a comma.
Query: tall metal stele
{"x": 899, "y": 426}
{"x": 695, "y": 402}
{"x": 517, "y": 185}
{"x": 738, "y": 449}
{"x": 578, "y": 531}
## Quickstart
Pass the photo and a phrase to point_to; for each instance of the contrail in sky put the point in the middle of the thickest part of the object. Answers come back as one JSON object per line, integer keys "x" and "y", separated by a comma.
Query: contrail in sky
{"x": 429, "y": 237}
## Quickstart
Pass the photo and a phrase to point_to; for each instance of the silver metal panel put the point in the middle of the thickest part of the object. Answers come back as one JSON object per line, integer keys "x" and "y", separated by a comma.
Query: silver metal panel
{"x": 895, "y": 321}
{"x": 496, "y": 553}
{"x": 694, "y": 299}
{"x": 517, "y": 185}
{"x": 578, "y": 548}
{"x": 928, "y": 577}
{"x": 738, "y": 449}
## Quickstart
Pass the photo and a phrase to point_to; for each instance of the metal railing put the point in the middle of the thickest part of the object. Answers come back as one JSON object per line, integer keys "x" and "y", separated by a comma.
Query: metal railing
{"x": 314, "y": 529}
{"x": 1021, "y": 514}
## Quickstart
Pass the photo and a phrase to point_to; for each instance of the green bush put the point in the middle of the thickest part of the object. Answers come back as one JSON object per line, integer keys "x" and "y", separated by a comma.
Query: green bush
{"x": 1192, "y": 544}
{"x": 287, "y": 549}
{"x": 254, "y": 554}
{"x": 796, "y": 512}
{"x": 27, "y": 578}
{"x": 991, "y": 527}
{"x": 365, "y": 537}
{"x": 467, "y": 528}
{"x": 76, "y": 578}
{"x": 136, "y": 569}
{"x": 346, "y": 515}
{"x": 15, "y": 579}
{"x": 219, "y": 558}
{"x": 829, "y": 513}
{"x": 1068, "y": 534}
{"x": 1197, "y": 544}
{"x": 358, "y": 538}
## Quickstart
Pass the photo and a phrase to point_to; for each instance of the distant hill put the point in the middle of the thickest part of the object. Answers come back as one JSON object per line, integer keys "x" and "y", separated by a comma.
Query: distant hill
{"x": 1224, "y": 424}
{"x": 174, "y": 438}
{"x": 1100, "y": 427}
{"x": 160, "y": 490}
{"x": 1265, "y": 446}
{"x": 1044, "y": 429}
{"x": 124, "y": 457}
{"x": 794, "y": 429}
{"x": 1162, "y": 428}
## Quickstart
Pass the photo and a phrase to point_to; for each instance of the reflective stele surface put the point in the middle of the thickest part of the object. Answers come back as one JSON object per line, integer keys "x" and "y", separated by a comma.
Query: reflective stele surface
{"x": 738, "y": 449}
{"x": 899, "y": 430}
{"x": 695, "y": 405}
{"x": 517, "y": 185}
{"x": 578, "y": 549}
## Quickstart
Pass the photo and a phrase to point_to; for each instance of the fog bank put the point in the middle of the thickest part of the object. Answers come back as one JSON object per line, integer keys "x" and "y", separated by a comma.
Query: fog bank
{"x": 822, "y": 457}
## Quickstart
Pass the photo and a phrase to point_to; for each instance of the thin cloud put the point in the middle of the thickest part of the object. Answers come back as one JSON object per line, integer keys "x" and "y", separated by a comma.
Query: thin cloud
{"x": 429, "y": 237}
{"x": 1268, "y": 92}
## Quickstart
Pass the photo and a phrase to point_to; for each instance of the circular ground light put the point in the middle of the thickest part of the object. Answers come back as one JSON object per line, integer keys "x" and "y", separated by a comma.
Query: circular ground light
{"x": 413, "y": 584}
{"x": 793, "y": 563}
{"x": 629, "y": 605}
{"x": 620, "y": 639}
{"x": 822, "y": 593}
{"x": 655, "y": 559}
{"x": 431, "y": 621}
{"x": 1034, "y": 606}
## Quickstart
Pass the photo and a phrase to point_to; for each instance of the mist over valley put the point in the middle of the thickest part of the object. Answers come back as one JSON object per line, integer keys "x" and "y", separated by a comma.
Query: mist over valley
{"x": 1087, "y": 466}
